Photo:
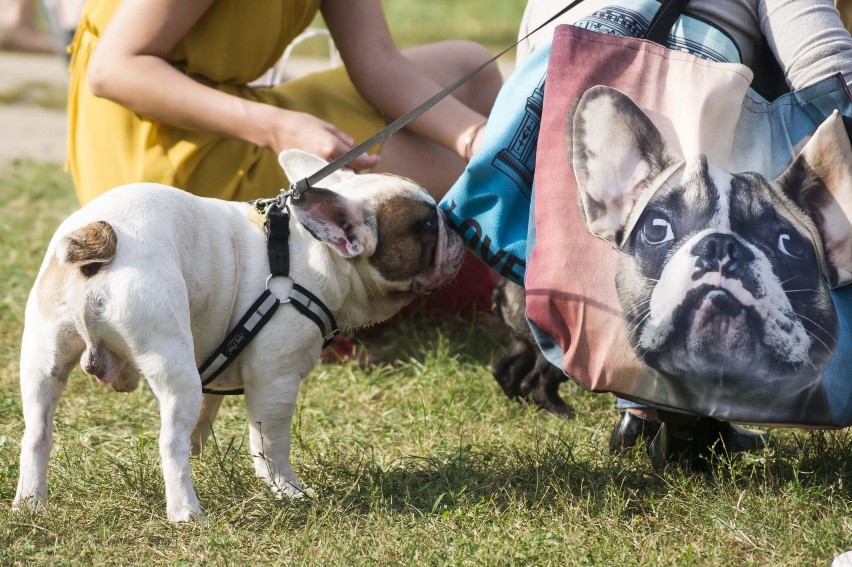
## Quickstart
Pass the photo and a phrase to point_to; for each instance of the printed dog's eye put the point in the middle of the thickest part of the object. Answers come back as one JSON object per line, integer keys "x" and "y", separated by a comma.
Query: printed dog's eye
{"x": 657, "y": 230}
{"x": 791, "y": 245}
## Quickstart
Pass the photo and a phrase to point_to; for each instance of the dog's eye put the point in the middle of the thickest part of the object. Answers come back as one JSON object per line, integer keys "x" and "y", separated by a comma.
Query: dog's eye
{"x": 657, "y": 230}
{"x": 430, "y": 223}
{"x": 791, "y": 245}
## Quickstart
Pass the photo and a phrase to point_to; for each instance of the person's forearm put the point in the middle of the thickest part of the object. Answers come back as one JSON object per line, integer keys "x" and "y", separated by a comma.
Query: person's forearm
{"x": 401, "y": 87}
{"x": 388, "y": 80}
{"x": 808, "y": 39}
{"x": 149, "y": 86}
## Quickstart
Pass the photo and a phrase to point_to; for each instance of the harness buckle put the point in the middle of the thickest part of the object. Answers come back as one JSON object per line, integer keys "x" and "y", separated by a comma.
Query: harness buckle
{"x": 292, "y": 283}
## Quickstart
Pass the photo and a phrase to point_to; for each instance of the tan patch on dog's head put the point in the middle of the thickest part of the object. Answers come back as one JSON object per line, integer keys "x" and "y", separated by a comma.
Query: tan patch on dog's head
{"x": 408, "y": 233}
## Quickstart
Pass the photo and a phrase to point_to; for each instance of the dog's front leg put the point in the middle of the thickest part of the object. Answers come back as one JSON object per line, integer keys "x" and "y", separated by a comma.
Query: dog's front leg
{"x": 177, "y": 387}
{"x": 270, "y": 408}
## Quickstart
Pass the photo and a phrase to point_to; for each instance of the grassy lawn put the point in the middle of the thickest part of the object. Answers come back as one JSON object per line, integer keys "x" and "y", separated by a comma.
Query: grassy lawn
{"x": 417, "y": 458}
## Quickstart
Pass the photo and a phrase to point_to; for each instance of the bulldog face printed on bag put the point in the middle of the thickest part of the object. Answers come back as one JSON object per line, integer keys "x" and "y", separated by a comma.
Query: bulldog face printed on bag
{"x": 723, "y": 278}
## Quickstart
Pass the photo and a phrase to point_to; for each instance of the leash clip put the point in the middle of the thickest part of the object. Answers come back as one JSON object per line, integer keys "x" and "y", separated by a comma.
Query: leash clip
{"x": 295, "y": 190}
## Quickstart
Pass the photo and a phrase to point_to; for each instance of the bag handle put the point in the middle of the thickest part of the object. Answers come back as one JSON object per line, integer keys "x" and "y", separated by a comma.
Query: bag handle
{"x": 664, "y": 20}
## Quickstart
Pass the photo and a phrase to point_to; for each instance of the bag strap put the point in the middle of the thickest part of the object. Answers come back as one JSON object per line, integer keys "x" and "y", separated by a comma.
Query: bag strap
{"x": 296, "y": 189}
{"x": 769, "y": 79}
{"x": 664, "y": 20}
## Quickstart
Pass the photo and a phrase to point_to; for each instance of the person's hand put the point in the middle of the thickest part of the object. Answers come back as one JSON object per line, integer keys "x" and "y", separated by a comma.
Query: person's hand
{"x": 473, "y": 140}
{"x": 287, "y": 129}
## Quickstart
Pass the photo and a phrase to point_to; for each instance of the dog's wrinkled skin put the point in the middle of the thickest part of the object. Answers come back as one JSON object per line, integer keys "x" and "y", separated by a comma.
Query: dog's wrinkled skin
{"x": 723, "y": 278}
{"x": 524, "y": 372}
{"x": 146, "y": 281}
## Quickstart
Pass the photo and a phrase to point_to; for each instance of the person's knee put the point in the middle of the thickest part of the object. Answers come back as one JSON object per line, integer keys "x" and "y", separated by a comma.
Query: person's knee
{"x": 481, "y": 90}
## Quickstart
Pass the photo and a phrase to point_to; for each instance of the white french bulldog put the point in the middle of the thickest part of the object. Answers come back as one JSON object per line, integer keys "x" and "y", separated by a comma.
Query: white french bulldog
{"x": 147, "y": 280}
{"x": 723, "y": 278}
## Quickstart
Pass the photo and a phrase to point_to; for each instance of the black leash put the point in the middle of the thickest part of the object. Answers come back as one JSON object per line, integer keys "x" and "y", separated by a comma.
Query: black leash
{"x": 277, "y": 227}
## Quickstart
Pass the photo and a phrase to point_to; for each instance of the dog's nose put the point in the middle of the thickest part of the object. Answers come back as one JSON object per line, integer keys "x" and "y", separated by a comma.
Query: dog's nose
{"x": 721, "y": 251}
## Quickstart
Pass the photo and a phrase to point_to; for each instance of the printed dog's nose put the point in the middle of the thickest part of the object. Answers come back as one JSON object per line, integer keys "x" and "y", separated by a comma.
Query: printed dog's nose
{"x": 719, "y": 250}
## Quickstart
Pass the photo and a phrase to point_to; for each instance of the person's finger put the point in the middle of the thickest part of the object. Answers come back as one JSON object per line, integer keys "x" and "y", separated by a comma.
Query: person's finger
{"x": 364, "y": 161}
{"x": 342, "y": 136}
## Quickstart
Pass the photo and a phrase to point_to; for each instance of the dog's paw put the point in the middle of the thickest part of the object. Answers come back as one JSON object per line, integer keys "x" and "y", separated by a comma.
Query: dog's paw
{"x": 292, "y": 490}
{"x": 510, "y": 369}
{"x": 186, "y": 514}
{"x": 33, "y": 503}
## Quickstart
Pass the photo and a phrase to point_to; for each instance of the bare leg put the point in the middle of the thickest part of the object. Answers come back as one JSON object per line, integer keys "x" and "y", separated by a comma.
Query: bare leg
{"x": 422, "y": 160}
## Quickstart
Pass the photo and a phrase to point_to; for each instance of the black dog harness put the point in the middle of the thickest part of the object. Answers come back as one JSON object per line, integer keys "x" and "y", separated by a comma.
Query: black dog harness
{"x": 277, "y": 228}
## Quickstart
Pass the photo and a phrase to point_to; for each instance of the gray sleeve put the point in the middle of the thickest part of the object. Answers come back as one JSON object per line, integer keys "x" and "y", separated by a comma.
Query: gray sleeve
{"x": 808, "y": 39}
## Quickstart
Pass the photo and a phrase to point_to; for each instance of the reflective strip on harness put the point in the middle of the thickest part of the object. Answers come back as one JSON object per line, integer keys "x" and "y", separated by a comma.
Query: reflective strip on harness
{"x": 311, "y": 307}
{"x": 249, "y": 326}
{"x": 251, "y": 323}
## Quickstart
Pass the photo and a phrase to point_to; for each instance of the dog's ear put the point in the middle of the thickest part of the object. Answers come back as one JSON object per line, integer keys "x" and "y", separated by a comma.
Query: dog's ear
{"x": 333, "y": 219}
{"x": 616, "y": 152}
{"x": 819, "y": 180}
{"x": 298, "y": 164}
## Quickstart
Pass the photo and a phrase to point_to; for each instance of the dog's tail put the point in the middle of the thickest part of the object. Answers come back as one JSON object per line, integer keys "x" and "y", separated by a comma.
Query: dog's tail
{"x": 90, "y": 248}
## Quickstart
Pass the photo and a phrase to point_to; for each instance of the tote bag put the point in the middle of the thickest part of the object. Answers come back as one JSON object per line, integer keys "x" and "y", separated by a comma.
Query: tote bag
{"x": 692, "y": 244}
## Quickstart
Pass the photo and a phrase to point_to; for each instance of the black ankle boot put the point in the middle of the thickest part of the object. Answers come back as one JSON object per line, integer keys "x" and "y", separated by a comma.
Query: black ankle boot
{"x": 697, "y": 444}
{"x": 629, "y": 430}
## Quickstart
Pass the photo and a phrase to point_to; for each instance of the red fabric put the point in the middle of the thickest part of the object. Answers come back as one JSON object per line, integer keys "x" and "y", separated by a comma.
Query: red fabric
{"x": 469, "y": 292}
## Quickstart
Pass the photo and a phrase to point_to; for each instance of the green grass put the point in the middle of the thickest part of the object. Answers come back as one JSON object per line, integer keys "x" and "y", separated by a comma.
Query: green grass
{"x": 416, "y": 459}
{"x": 493, "y": 23}
{"x": 48, "y": 96}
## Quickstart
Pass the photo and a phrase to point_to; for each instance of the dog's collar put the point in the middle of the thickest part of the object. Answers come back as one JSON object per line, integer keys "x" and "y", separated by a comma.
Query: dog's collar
{"x": 277, "y": 228}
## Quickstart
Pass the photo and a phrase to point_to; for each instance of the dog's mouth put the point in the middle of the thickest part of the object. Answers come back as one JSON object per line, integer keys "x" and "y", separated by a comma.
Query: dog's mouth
{"x": 447, "y": 259}
{"x": 717, "y": 313}
{"x": 715, "y": 333}
{"x": 713, "y": 322}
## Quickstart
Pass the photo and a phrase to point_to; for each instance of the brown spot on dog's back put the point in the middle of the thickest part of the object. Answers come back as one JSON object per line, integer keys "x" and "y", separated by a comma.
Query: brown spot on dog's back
{"x": 408, "y": 233}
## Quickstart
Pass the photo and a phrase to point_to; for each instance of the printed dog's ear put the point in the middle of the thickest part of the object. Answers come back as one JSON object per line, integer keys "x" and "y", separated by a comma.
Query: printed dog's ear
{"x": 298, "y": 164}
{"x": 819, "y": 180}
{"x": 334, "y": 220}
{"x": 616, "y": 152}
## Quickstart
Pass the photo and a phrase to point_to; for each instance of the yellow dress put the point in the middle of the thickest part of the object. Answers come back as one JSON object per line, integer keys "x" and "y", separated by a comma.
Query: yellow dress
{"x": 233, "y": 43}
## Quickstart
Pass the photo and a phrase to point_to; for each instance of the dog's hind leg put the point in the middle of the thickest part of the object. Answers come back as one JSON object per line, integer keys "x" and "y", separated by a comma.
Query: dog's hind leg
{"x": 46, "y": 362}
{"x": 204, "y": 426}
{"x": 270, "y": 410}
{"x": 168, "y": 366}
